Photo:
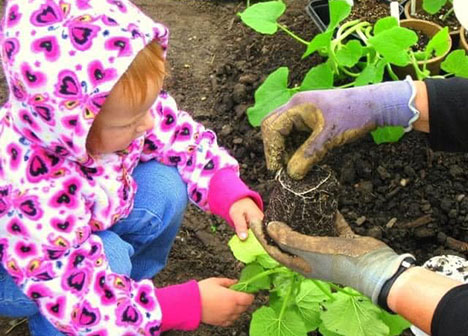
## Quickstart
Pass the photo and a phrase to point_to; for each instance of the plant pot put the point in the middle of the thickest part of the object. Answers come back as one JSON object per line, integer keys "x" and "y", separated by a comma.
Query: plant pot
{"x": 463, "y": 41}
{"x": 319, "y": 12}
{"x": 430, "y": 29}
{"x": 454, "y": 34}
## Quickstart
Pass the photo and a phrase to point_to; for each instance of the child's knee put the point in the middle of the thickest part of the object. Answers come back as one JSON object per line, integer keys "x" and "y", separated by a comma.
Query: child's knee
{"x": 158, "y": 183}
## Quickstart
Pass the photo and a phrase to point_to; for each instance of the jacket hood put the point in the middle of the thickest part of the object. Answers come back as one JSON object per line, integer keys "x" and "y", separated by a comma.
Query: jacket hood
{"x": 62, "y": 58}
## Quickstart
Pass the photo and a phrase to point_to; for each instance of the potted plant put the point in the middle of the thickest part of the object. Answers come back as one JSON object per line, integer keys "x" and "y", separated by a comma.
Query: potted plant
{"x": 319, "y": 11}
{"x": 434, "y": 45}
{"x": 438, "y": 11}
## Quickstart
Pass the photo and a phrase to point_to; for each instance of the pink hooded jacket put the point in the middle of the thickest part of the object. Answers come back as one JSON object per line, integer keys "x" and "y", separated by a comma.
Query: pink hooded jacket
{"x": 61, "y": 58}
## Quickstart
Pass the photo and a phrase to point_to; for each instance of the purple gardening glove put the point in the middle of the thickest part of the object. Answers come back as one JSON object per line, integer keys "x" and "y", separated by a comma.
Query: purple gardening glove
{"x": 335, "y": 117}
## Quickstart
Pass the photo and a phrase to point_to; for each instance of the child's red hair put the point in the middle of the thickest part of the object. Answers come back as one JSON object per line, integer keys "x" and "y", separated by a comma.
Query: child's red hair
{"x": 148, "y": 65}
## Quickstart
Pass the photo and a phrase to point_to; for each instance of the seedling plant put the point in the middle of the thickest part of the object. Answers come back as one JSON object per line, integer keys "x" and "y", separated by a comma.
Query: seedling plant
{"x": 297, "y": 305}
{"x": 434, "y": 6}
{"x": 356, "y": 53}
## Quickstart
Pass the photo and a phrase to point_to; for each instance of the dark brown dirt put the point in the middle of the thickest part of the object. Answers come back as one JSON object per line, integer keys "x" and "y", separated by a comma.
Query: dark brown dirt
{"x": 423, "y": 40}
{"x": 388, "y": 190}
{"x": 371, "y": 10}
{"x": 451, "y": 21}
{"x": 309, "y": 205}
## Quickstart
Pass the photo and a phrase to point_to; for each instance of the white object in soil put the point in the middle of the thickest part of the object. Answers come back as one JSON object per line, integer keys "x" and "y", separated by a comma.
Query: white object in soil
{"x": 451, "y": 266}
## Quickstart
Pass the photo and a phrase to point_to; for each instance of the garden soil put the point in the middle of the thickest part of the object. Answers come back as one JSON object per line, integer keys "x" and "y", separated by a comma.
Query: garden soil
{"x": 412, "y": 198}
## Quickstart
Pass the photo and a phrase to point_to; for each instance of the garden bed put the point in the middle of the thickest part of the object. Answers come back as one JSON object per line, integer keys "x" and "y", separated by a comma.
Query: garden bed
{"x": 403, "y": 193}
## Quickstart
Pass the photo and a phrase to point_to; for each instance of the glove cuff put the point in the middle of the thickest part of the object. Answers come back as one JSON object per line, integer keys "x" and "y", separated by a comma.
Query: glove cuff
{"x": 405, "y": 264}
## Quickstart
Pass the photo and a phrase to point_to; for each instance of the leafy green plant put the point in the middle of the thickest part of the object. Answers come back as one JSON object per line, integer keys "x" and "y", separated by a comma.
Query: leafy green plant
{"x": 298, "y": 305}
{"x": 356, "y": 53}
{"x": 433, "y": 6}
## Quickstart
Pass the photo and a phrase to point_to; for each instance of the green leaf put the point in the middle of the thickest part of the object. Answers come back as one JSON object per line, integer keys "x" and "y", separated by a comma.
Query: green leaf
{"x": 353, "y": 316}
{"x": 265, "y": 321}
{"x": 282, "y": 282}
{"x": 246, "y": 284}
{"x": 456, "y": 63}
{"x": 325, "y": 332}
{"x": 246, "y": 251}
{"x": 372, "y": 73}
{"x": 320, "y": 41}
{"x": 396, "y": 323}
{"x": 433, "y": 6}
{"x": 266, "y": 261}
{"x": 439, "y": 43}
{"x": 262, "y": 16}
{"x": 271, "y": 94}
{"x": 339, "y": 10}
{"x": 384, "y": 24}
{"x": 387, "y": 134}
{"x": 319, "y": 77}
{"x": 308, "y": 301}
{"x": 350, "y": 53}
{"x": 393, "y": 44}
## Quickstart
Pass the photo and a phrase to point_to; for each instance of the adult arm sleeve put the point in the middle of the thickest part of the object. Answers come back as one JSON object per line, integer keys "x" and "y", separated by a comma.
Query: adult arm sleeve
{"x": 450, "y": 315}
{"x": 448, "y": 114}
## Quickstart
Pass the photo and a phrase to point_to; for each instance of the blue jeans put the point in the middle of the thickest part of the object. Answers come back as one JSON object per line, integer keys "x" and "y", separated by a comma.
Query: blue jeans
{"x": 137, "y": 246}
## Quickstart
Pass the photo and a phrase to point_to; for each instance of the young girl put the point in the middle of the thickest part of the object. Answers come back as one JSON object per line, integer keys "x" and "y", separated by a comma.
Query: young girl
{"x": 86, "y": 123}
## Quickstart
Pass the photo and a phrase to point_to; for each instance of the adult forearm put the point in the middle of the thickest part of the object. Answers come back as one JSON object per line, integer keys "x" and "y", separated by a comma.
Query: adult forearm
{"x": 416, "y": 294}
{"x": 422, "y": 104}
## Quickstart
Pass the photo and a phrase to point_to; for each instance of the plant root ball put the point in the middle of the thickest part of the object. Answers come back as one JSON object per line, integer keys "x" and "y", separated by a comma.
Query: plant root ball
{"x": 309, "y": 205}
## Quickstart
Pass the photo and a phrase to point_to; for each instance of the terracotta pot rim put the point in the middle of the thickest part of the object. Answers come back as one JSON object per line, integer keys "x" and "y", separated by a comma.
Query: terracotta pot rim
{"x": 430, "y": 23}
{"x": 463, "y": 40}
{"x": 408, "y": 15}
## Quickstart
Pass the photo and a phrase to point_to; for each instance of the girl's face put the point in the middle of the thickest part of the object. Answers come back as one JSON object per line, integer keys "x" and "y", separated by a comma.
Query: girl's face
{"x": 120, "y": 121}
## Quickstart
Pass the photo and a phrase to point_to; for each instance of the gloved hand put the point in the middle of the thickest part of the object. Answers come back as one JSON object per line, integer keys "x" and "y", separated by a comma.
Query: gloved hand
{"x": 363, "y": 263}
{"x": 335, "y": 117}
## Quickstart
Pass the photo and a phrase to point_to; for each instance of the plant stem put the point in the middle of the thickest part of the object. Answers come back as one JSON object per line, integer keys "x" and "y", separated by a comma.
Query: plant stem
{"x": 266, "y": 273}
{"x": 349, "y": 31}
{"x": 287, "y": 296}
{"x": 391, "y": 73}
{"x": 349, "y": 73}
{"x": 450, "y": 11}
{"x": 248, "y": 3}
{"x": 290, "y": 33}
{"x": 345, "y": 26}
{"x": 344, "y": 86}
{"x": 327, "y": 293}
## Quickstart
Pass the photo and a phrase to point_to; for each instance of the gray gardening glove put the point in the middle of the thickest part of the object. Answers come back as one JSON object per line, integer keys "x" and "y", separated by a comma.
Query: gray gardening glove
{"x": 363, "y": 263}
{"x": 335, "y": 117}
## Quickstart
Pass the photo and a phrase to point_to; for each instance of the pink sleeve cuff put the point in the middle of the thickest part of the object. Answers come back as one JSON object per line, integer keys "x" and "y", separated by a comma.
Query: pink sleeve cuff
{"x": 226, "y": 188}
{"x": 180, "y": 306}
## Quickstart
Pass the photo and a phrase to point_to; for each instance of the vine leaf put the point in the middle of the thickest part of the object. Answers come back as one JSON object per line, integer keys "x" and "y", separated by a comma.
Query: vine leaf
{"x": 266, "y": 321}
{"x": 246, "y": 251}
{"x": 245, "y": 283}
{"x": 319, "y": 77}
{"x": 308, "y": 301}
{"x": 456, "y": 63}
{"x": 262, "y": 16}
{"x": 353, "y": 316}
{"x": 273, "y": 93}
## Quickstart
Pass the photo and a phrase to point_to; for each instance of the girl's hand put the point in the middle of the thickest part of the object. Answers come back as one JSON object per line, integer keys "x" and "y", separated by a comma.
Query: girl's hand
{"x": 221, "y": 306}
{"x": 242, "y": 212}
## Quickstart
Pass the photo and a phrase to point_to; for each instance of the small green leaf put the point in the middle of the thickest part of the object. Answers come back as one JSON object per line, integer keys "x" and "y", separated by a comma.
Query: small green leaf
{"x": 319, "y": 77}
{"x": 266, "y": 261}
{"x": 393, "y": 44}
{"x": 439, "y": 43}
{"x": 246, "y": 284}
{"x": 371, "y": 74}
{"x": 384, "y": 24}
{"x": 265, "y": 321}
{"x": 339, "y": 10}
{"x": 325, "y": 332}
{"x": 262, "y": 16}
{"x": 396, "y": 323}
{"x": 350, "y": 53}
{"x": 271, "y": 94}
{"x": 320, "y": 41}
{"x": 353, "y": 316}
{"x": 282, "y": 282}
{"x": 246, "y": 251}
{"x": 307, "y": 301}
{"x": 456, "y": 63}
{"x": 387, "y": 134}
{"x": 433, "y": 6}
